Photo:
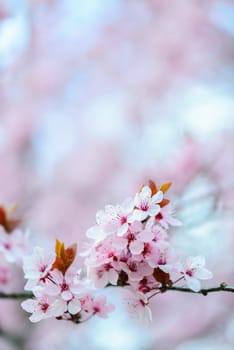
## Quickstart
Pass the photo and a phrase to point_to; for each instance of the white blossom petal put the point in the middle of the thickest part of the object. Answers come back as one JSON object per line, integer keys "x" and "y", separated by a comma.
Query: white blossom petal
{"x": 74, "y": 306}
{"x": 136, "y": 247}
{"x": 157, "y": 197}
{"x": 193, "y": 283}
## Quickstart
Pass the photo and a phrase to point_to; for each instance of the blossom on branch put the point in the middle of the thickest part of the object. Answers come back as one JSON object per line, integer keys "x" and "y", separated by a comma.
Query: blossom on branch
{"x": 194, "y": 270}
{"x": 140, "y": 258}
{"x": 130, "y": 248}
{"x": 14, "y": 243}
{"x": 58, "y": 289}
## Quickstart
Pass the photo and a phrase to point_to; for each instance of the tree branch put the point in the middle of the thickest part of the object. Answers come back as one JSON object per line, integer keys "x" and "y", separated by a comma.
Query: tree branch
{"x": 221, "y": 288}
{"x": 15, "y": 296}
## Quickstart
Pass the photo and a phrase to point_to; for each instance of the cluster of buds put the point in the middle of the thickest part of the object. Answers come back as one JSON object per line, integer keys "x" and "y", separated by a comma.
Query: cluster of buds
{"x": 58, "y": 289}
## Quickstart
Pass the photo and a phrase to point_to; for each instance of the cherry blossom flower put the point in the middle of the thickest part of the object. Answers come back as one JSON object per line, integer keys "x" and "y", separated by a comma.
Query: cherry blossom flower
{"x": 104, "y": 275}
{"x": 44, "y": 306}
{"x": 166, "y": 217}
{"x": 14, "y": 245}
{"x": 138, "y": 306}
{"x": 114, "y": 219}
{"x": 165, "y": 256}
{"x": 66, "y": 288}
{"x": 136, "y": 270}
{"x": 133, "y": 239}
{"x": 100, "y": 308}
{"x": 193, "y": 269}
{"x": 91, "y": 306}
{"x": 158, "y": 231}
{"x": 72, "y": 305}
{"x": 37, "y": 266}
{"x": 146, "y": 204}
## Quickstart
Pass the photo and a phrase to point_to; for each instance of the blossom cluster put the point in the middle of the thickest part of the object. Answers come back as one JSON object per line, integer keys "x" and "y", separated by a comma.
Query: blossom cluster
{"x": 58, "y": 289}
{"x": 131, "y": 248}
{"x": 14, "y": 244}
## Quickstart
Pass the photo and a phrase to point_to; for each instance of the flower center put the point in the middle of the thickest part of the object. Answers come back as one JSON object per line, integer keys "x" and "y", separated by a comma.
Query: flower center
{"x": 7, "y": 246}
{"x": 64, "y": 287}
{"x": 189, "y": 273}
{"x": 107, "y": 267}
{"x": 131, "y": 237}
{"x": 44, "y": 306}
{"x": 123, "y": 220}
{"x": 144, "y": 206}
{"x": 96, "y": 309}
{"x": 147, "y": 249}
{"x": 132, "y": 267}
{"x": 43, "y": 268}
{"x": 159, "y": 217}
{"x": 162, "y": 260}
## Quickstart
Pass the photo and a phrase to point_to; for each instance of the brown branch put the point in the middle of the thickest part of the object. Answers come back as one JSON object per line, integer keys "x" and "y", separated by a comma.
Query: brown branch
{"x": 223, "y": 287}
{"x": 15, "y": 296}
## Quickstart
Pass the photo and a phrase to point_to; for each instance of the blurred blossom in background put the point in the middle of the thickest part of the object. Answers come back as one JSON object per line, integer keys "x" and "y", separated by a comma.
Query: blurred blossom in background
{"x": 97, "y": 97}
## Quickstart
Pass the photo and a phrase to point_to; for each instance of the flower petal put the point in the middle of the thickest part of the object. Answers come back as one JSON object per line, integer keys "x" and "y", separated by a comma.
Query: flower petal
{"x": 74, "y": 306}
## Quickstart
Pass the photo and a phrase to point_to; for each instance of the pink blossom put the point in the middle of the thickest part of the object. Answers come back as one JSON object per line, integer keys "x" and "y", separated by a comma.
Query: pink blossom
{"x": 100, "y": 308}
{"x": 138, "y": 305}
{"x": 114, "y": 219}
{"x": 133, "y": 239}
{"x": 104, "y": 275}
{"x": 193, "y": 269}
{"x": 95, "y": 306}
{"x": 14, "y": 245}
{"x": 100, "y": 264}
{"x": 146, "y": 204}
{"x": 160, "y": 254}
{"x": 103, "y": 252}
{"x": 37, "y": 266}
{"x": 166, "y": 217}
{"x": 44, "y": 306}
{"x": 58, "y": 284}
{"x": 136, "y": 270}
{"x": 159, "y": 232}
{"x": 72, "y": 305}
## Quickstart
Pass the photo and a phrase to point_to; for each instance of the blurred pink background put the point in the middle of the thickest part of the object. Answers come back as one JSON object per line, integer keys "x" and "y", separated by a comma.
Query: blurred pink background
{"x": 97, "y": 97}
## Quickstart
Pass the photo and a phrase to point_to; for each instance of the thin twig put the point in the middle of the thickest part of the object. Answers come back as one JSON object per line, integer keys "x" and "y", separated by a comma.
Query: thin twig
{"x": 16, "y": 296}
{"x": 221, "y": 288}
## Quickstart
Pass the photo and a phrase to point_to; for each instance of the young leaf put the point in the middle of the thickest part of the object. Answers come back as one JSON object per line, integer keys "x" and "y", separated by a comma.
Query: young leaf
{"x": 64, "y": 257}
{"x": 161, "y": 276}
{"x": 165, "y": 187}
{"x": 6, "y": 221}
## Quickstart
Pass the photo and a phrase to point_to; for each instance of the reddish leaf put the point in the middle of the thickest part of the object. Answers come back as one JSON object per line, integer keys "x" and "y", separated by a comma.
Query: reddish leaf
{"x": 161, "y": 276}
{"x": 153, "y": 187}
{"x": 3, "y": 216}
{"x": 164, "y": 202}
{"x": 64, "y": 257}
{"x": 6, "y": 221}
{"x": 165, "y": 187}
